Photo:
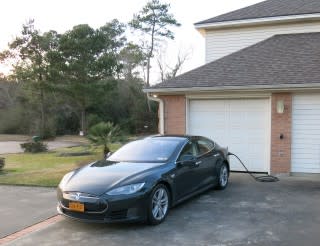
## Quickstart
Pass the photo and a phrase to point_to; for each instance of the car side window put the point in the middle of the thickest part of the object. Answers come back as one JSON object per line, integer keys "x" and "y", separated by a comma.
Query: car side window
{"x": 189, "y": 149}
{"x": 204, "y": 146}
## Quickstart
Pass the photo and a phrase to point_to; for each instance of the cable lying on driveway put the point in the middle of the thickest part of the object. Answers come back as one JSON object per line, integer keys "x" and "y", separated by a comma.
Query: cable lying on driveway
{"x": 265, "y": 178}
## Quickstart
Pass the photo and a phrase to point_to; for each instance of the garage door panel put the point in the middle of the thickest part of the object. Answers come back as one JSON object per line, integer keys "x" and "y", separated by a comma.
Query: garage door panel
{"x": 307, "y": 167}
{"x": 310, "y": 128}
{"x": 242, "y": 125}
{"x": 202, "y": 106}
{"x": 305, "y": 170}
{"x": 305, "y": 147}
{"x": 309, "y": 150}
{"x": 306, "y": 156}
{"x": 307, "y": 142}
{"x": 312, "y": 114}
{"x": 302, "y": 105}
{"x": 303, "y": 134}
{"x": 311, "y": 121}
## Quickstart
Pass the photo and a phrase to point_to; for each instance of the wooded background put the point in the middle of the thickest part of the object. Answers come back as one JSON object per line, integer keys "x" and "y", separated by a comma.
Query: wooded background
{"x": 63, "y": 83}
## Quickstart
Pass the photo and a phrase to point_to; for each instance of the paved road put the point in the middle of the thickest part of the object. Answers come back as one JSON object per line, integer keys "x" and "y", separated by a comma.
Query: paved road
{"x": 246, "y": 213}
{"x": 24, "y": 206}
{"x": 14, "y": 146}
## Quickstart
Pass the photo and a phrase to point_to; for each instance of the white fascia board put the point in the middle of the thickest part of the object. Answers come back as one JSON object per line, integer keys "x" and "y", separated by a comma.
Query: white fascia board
{"x": 279, "y": 87}
{"x": 257, "y": 21}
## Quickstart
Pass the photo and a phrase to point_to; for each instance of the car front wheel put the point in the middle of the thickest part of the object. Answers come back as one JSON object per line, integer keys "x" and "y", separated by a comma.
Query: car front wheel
{"x": 223, "y": 177}
{"x": 158, "y": 204}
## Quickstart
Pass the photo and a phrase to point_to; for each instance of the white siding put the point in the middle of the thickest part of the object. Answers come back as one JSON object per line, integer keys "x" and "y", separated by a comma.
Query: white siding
{"x": 305, "y": 148}
{"x": 223, "y": 42}
{"x": 240, "y": 124}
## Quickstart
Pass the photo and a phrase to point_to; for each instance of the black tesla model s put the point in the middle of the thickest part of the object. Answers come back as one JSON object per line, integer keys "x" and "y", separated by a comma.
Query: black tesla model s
{"x": 143, "y": 179}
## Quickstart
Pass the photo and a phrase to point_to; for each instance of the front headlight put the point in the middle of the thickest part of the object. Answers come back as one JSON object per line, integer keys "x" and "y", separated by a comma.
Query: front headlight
{"x": 65, "y": 179}
{"x": 126, "y": 190}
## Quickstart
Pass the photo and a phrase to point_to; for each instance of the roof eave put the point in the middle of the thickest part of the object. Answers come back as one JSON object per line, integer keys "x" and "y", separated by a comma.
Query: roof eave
{"x": 257, "y": 21}
{"x": 279, "y": 87}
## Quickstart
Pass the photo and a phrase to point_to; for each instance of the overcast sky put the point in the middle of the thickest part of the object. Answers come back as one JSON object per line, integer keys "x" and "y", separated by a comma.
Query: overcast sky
{"x": 61, "y": 15}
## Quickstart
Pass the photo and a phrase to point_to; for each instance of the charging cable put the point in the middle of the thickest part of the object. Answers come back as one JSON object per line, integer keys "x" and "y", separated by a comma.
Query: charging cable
{"x": 265, "y": 178}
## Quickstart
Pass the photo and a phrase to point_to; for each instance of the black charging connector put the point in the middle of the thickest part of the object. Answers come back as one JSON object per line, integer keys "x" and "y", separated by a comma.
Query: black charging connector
{"x": 265, "y": 178}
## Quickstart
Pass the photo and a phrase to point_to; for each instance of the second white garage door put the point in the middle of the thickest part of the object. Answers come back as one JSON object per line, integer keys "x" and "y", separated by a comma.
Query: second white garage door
{"x": 305, "y": 148}
{"x": 243, "y": 125}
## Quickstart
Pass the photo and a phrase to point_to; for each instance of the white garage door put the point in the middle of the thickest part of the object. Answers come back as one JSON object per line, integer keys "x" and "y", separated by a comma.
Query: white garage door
{"x": 242, "y": 125}
{"x": 305, "y": 147}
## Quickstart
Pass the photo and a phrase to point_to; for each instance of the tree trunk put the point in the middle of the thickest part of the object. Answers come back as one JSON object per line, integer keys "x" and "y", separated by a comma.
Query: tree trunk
{"x": 43, "y": 113}
{"x": 148, "y": 64}
{"x": 148, "y": 68}
{"x": 148, "y": 83}
{"x": 83, "y": 121}
{"x": 106, "y": 150}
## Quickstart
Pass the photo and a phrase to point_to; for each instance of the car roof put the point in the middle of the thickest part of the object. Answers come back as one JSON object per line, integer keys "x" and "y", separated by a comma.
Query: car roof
{"x": 176, "y": 137}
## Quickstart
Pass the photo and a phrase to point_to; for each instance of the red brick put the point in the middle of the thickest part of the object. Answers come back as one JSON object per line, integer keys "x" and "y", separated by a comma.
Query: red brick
{"x": 281, "y": 123}
{"x": 174, "y": 114}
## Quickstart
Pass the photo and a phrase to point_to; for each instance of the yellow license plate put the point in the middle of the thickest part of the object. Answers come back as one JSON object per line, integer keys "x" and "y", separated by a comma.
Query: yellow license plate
{"x": 76, "y": 206}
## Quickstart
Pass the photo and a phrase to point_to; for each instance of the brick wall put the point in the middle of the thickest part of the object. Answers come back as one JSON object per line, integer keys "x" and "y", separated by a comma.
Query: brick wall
{"x": 174, "y": 114}
{"x": 281, "y": 124}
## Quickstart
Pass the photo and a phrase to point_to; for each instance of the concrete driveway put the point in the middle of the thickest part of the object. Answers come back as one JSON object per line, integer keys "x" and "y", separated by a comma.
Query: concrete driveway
{"x": 22, "y": 206}
{"x": 246, "y": 213}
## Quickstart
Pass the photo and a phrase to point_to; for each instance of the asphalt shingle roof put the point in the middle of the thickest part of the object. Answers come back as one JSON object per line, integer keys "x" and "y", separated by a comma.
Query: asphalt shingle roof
{"x": 269, "y": 8}
{"x": 282, "y": 59}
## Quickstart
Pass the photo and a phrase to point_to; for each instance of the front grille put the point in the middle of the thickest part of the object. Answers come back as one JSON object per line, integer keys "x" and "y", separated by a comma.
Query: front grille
{"x": 92, "y": 203}
{"x": 114, "y": 215}
{"x": 118, "y": 215}
{"x": 97, "y": 217}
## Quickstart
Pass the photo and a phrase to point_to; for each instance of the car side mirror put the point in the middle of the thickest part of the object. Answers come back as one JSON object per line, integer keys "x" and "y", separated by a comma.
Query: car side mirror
{"x": 187, "y": 159}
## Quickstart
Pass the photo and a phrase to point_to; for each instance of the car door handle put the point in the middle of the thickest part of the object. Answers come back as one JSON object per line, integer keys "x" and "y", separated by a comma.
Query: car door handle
{"x": 198, "y": 163}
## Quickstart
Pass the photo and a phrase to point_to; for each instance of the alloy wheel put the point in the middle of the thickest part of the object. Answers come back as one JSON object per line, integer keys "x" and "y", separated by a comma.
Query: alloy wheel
{"x": 223, "y": 176}
{"x": 160, "y": 203}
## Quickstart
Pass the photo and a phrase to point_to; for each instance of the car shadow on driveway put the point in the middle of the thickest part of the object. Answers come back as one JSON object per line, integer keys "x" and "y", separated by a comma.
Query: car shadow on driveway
{"x": 246, "y": 213}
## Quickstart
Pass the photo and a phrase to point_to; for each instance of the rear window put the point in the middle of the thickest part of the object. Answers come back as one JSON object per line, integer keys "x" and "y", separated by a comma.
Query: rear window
{"x": 205, "y": 146}
{"x": 146, "y": 150}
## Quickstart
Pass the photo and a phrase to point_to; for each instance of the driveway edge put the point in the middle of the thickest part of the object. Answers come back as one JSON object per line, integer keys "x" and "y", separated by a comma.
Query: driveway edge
{"x": 30, "y": 229}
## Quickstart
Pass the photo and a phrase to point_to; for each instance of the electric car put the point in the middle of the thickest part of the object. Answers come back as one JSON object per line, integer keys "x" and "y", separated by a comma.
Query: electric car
{"x": 143, "y": 179}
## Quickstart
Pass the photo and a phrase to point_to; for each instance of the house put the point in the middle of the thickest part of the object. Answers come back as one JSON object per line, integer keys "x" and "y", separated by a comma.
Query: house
{"x": 259, "y": 91}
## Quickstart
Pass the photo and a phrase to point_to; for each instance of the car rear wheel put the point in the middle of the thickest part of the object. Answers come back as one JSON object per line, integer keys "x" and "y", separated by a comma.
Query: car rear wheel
{"x": 223, "y": 177}
{"x": 158, "y": 204}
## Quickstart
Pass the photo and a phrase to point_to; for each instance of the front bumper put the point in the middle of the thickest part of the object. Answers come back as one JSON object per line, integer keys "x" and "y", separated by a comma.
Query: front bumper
{"x": 105, "y": 209}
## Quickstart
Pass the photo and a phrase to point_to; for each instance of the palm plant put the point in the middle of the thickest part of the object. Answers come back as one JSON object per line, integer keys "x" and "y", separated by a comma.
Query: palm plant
{"x": 104, "y": 133}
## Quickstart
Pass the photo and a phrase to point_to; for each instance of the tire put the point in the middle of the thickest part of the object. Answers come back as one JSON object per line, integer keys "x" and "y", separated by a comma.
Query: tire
{"x": 158, "y": 205}
{"x": 223, "y": 177}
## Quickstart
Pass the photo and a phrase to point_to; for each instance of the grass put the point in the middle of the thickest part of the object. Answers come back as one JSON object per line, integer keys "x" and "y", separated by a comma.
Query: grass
{"x": 72, "y": 138}
{"x": 46, "y": 169}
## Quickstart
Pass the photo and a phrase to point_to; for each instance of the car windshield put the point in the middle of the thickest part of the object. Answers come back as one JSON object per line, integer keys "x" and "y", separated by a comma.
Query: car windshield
{"x": 146, "y": 150}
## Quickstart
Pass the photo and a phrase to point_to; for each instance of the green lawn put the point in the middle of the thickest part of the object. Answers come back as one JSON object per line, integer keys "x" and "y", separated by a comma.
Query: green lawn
{"x": 45, "y": 169}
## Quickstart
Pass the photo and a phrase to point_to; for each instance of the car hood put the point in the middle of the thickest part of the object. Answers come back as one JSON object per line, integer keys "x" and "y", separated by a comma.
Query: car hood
{"x": 99, "y": 177}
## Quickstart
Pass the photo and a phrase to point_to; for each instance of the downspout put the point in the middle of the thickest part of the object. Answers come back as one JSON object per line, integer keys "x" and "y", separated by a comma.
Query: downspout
{"x": 161, "y": 111}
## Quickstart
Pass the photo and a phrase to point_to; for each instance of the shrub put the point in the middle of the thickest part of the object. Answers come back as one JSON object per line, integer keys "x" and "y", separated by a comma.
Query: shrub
{"x": 34, "y": 147}
{"x": 83, "y": 153}
{"x": 104, "y": 133}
